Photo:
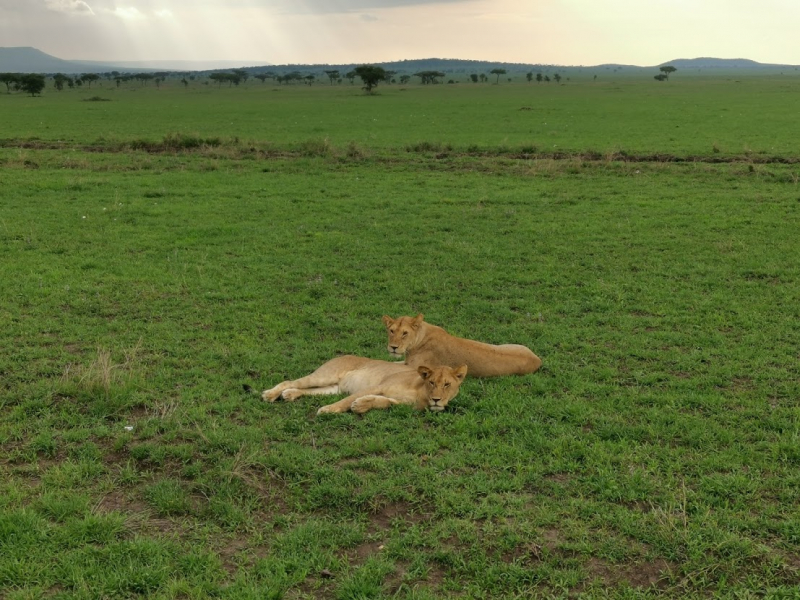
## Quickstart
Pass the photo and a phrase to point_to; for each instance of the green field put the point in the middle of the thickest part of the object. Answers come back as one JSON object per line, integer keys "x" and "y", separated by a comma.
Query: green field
{"x": 163, "y": 248}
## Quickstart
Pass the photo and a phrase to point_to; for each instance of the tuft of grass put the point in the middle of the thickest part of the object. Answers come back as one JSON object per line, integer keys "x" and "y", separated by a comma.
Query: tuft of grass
{"x": 168, "y": 498}
{"x": 175, "y": 141}
{"x": 426, "y": 146}
{"x": 102, "y": 374}
{"x": 313, "y": 148}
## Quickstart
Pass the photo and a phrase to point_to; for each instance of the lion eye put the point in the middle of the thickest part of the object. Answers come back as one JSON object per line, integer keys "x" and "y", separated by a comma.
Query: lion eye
{"x": 447, "y": 385}
{"x": 405, "y": 333}
{"x": 391, "y": 331}
{"x": 431, "y": 383}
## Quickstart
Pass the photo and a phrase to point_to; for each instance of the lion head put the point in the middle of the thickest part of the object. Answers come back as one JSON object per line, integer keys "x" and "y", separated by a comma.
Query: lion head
{"x": 441, "y": 384}
{"x": 402, "y": 333}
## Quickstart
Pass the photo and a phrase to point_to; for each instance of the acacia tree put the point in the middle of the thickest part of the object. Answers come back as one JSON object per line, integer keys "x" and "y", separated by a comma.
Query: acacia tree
{"x": 31, "y": 83}
{"x": 539, "y": 78}
{"x": 333, "y": 75}
{"x": 427, "y": 77}
{"x": 557, "y": 77}
{"x": 231, "y": 78}
{"x": 59, "y": 79}
{"x": 293, "y": 76}
{"x": 143, "y": 78}
{"x": 370, "y": 75}
{"x": 498, "y": 72}
{"x": 89, "y": 79}
{"x": 529, "y": 76}
{"x": 8, "y": 79}
{"x": 474, "y": 77}
{"x": 667, "y": 70}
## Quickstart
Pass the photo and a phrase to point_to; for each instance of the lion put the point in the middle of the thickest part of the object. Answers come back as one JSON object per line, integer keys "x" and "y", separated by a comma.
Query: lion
{"x": 423, "y": 343}
{"x": 374, "y": 384}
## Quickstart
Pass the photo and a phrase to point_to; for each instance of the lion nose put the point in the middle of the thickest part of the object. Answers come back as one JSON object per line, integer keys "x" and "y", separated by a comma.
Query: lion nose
{"x": 393, "y": 348}
{"x": 436, "y": 400}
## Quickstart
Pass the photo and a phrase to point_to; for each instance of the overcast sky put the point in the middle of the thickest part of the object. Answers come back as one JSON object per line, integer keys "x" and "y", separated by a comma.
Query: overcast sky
{"x": 564, "y": 32}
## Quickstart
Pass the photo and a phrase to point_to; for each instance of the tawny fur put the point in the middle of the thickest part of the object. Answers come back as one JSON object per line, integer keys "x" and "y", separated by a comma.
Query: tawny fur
{"x": 374, "y": 384}
{"x": 423, "y": 343}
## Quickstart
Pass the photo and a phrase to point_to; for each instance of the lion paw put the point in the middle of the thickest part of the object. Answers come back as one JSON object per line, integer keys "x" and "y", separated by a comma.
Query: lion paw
{"x": 270, "y": 395}
{"x": 361, "y": 405}
{"x": 291, "y": 395}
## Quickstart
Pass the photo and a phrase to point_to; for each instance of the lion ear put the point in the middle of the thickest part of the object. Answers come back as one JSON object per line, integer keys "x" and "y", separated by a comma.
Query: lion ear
{"x": 424, "y": 372}
{"x": 460, "y": 372}
{"x": 417, "y": 321}
{"x": 388, "y": 321}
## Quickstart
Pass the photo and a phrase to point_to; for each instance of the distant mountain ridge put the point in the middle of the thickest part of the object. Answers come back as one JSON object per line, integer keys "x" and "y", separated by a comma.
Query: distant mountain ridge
{"x": 722, "y": 63}
{"x": 25, "y": 59}
{"x": 32, "y": 60}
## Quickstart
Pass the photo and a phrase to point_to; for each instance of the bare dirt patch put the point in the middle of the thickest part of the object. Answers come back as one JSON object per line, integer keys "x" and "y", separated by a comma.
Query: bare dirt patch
{"x": 642, "y": 575}
{"x": 228, "y": 552}
{"x": 119, "y": 501}
{"x": 381, "y": 520}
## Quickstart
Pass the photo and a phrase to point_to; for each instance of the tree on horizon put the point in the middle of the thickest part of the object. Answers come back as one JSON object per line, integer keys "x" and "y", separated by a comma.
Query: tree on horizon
{"x": 59, "y": 79}
{"x": 370, "y": 75}
{"x": 498, "y": 72}
{"x": 666, "y": 70}
{"x": 333, "y": 75}
{"x": 32, "y": 83}
{"x": 89, "y": 79}
{"x": 8, "y": 79}
{"x": 427, "y": 77}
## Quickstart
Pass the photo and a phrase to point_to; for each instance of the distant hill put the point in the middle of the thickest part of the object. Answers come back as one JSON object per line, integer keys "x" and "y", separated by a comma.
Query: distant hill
{"x": 31, "y": 60}
{"x": 25, "y": 59}
{"x": 183, "y": 65}
{"x": 723, "y": 63}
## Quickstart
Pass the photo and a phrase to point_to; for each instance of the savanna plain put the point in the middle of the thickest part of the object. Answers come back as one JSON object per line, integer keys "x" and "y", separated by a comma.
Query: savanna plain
{"x": 164, "y": 250}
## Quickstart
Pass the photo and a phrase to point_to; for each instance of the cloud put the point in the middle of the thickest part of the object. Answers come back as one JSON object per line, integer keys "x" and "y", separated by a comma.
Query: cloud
{"x": 349, "y": 6}
{"x": 129, "y": 13}
{"x": 69, "y": 7}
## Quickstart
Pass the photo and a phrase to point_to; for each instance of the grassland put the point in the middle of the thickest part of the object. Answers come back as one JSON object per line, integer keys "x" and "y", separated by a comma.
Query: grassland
{"x": 161, "y": 249}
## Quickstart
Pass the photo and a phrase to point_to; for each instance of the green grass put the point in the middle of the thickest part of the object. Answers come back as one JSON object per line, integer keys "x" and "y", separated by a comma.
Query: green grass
{"x": 656, "y": 454}
{"x": 691, "y": 116}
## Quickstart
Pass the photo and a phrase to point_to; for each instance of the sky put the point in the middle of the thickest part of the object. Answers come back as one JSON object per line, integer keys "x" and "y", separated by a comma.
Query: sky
{"x": 258, "y": 32}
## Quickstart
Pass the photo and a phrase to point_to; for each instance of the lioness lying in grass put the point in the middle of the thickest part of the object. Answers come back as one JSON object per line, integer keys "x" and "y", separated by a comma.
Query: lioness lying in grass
{"x": 374, "y": 384}
{"x": 426, "y": 344}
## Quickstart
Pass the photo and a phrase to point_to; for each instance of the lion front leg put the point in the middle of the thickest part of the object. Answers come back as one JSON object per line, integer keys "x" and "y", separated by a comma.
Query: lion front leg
{"x": 274, "y": 393}
{"x": 338, "y": 407}
{"x": 292, "y": 394}
{"x": 292, "y": 390}
{"x": 324, "y": 380}
{"x": 371, "y": 402}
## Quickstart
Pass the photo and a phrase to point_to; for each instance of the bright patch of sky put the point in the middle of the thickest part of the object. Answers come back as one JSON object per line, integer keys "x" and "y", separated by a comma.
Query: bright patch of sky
{"x": 564, "y": 32}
